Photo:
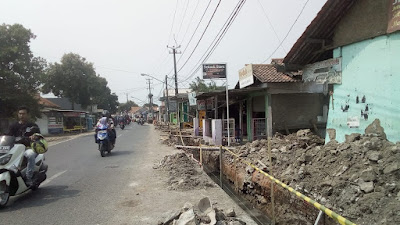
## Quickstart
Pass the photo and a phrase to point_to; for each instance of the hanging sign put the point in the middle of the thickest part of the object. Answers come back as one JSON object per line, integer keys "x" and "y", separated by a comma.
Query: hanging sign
{"x": 246, "y": 77}
{"x": 192, "y": 98}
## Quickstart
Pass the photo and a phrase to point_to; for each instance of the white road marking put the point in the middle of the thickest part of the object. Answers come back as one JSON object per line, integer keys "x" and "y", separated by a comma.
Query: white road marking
{"x": 119, "y": 135}
{"x": 48, "y": 180}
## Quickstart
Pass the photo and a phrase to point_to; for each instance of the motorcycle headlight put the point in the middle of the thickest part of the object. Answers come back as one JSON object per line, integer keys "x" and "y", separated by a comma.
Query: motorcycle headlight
{"x": 5, "y": 159}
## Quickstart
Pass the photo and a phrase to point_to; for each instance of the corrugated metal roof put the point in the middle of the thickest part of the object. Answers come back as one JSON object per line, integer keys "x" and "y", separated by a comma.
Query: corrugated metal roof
{"x": 321, "y": 29}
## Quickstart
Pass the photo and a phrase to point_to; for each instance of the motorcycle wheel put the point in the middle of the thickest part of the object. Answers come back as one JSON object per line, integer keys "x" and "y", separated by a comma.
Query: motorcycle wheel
{"x": 4, "y": 194}
{"x": 102, "y": 150}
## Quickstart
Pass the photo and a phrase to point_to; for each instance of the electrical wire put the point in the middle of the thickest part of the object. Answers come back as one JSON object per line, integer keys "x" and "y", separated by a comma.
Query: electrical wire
{"x": 218, "y": 38}
{"x": 190, "y": 22}
{"x": 270, "y": 23}
{"x": 183, "y": 18}
{"x": 201, "y": 37}
{"x": 173, "y": 22}
{"x": 287, "y": 34}
{"x": 195, "y": 30}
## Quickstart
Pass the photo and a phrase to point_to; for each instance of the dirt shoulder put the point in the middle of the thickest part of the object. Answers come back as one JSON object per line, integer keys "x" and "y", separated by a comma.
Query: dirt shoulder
{"x": 161, "y": 190}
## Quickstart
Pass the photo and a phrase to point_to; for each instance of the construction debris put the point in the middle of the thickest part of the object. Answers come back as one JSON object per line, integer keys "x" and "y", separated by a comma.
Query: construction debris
{"x": 359, "y": 178}
{"x": 203, "y": 213}
{"x": 184, "y": 173}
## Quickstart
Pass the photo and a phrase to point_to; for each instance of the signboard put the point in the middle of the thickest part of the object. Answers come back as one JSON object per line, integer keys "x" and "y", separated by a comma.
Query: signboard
{"x": 394, "y": 16}
{"x": 210, "y": 103}
{"x": 246, "y": 77}
{"x": 192, "y": 98}
{"x": 328, "y": 71}
{"x": 201, "y": 105}
{"x": 214, "y": 71}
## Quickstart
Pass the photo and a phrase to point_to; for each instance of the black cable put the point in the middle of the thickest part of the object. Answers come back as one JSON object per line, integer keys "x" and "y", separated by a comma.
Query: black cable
{"x": 190, "y": 22}
{"x": 224, "y": 30}
{"x": 183, "y": 18}
{"x": 287, "y": 34}
{"x": 202, "y": 35}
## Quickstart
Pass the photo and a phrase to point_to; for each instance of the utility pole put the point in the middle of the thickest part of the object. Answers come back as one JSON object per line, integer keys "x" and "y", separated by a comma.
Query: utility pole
{"x": 174, "y": 52}
{"x": 166, "y": 90}
{"x": 150, "y": 98}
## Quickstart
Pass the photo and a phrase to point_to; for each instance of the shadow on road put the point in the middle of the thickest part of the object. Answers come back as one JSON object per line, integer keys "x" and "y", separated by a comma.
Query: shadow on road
{"x": 40, "y": 197}
{"x": 119, "y": 152}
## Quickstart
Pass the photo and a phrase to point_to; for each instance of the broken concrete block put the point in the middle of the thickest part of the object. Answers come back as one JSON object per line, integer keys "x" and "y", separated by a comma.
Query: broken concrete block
{"x": 187, "y": 206}
{"x": 367, "y": 187}
{"x": 353, "y": 137}
{"x": 187, "y": 218}
{"x": 219, "y": 215}
{"x": 343, "y": 146}
{"x": 204, "y": 205}
{"x": 170, "y": 216}
{"x": 302, "y": 133}
{"x": 374, "y": 156}
{"x": 230, "y": 213}
{"x": 376, "y": 128}
{"x": 392, "y": 167}
{"x": 368, "y": 175}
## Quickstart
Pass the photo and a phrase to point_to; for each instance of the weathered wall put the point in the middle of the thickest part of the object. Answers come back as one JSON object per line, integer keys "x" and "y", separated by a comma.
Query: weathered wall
{"x": 296, "y": 110}
{"x": 366, "y": 19}
{"x": 43, "y": 124}
{"x": 370, "y": 68}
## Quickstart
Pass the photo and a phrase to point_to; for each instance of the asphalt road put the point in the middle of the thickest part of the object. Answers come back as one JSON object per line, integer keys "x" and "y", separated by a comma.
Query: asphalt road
{"x": 82, "y": 187}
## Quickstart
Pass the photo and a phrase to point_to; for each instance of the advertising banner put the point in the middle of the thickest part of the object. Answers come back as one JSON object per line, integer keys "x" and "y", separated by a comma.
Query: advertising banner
{"x": 192, "y": 98}
{"x": 214, "y": 71}
{"x": 201, "y": 105}
{"x": 246, "y": 77}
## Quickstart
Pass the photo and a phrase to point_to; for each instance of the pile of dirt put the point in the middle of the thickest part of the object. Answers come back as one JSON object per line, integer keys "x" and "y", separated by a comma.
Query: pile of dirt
{"x": 359, "y": 179}
{"x": 202, "y": 213}
{"x": 184, "y": 173}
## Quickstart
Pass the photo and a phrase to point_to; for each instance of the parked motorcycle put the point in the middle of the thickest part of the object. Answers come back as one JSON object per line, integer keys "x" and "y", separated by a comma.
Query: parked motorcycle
{"x": 13, "y": 169}
{"x": 103, "y": 140}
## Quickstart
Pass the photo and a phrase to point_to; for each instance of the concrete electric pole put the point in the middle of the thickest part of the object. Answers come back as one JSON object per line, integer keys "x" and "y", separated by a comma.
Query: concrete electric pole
{"x": 174, "y": 52}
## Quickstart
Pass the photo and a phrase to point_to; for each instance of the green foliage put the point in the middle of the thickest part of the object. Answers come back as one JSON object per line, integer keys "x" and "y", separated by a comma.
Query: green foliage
{"x": 199, "y": 85}
{"x": 76, "y": 79}
{"x": 20, "y": 71}
{"x": 126, "y": 106}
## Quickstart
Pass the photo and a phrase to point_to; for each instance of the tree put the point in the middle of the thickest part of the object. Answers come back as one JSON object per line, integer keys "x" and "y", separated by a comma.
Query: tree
{"x": 199, "y": 85}
{"x": 20, "y": 71}
{"x": 127, "y": 106}
{"x": 71, "y": 79}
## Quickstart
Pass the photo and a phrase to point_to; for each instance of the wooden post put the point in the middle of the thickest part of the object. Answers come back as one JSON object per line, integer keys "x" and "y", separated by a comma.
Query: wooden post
{"x": 220, "y": 165}
{"x": 272, "y": 183}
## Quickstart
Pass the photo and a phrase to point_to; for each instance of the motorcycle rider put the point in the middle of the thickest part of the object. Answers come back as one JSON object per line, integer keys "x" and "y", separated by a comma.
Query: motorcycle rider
{"x": 109, "y": 122}
{"x": 18, "y": 130}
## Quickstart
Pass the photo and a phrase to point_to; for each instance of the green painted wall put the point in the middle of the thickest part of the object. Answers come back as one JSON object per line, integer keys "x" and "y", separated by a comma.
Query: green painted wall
{"x": 370, "y": 68}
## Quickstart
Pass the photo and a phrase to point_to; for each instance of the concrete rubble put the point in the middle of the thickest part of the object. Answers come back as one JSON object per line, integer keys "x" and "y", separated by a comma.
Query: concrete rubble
{"x": 184, "y": 173}
{"x": 203, "y": 213}
{"x": 359, "y": 179}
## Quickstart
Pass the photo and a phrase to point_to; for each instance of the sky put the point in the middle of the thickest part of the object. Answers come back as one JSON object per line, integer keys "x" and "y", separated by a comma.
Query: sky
{"x": 127, "y": 38}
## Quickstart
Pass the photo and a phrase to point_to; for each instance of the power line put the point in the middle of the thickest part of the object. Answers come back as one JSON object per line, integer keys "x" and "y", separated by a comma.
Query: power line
{"x": 272, "y": 26}
{"x": 195, "y": 30}
{"x": 202, "y": 35}
{"x": 190, "y": 22}
{"x": 173, "y": 22}
{"x": 287, "y": 34}
{"x": 218, "y": 38}
{"x": 183, "y": 18}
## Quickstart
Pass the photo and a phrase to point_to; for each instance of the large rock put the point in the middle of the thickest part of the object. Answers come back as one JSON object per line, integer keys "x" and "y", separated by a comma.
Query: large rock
{"x": 352, "y": 137}
{"x": 376, "y": 128}
{"x": 367, "y": 187}
{"x": 374, "y": 156}
{"x": 187, "y": 218}
{"x": 392, "y": 167}
{"x": 368, "y": 175}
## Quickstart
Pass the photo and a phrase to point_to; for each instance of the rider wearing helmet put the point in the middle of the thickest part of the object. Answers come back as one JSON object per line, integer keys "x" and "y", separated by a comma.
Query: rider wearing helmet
{"x": 31, "y": 138}
{"x": 109, "y": 122}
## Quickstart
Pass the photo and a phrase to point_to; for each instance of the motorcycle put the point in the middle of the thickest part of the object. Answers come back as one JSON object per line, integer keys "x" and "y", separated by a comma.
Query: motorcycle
{"x": 122, "y": 125}
{"x": 103, "y": 140}
{"x": 13, "y": 169}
